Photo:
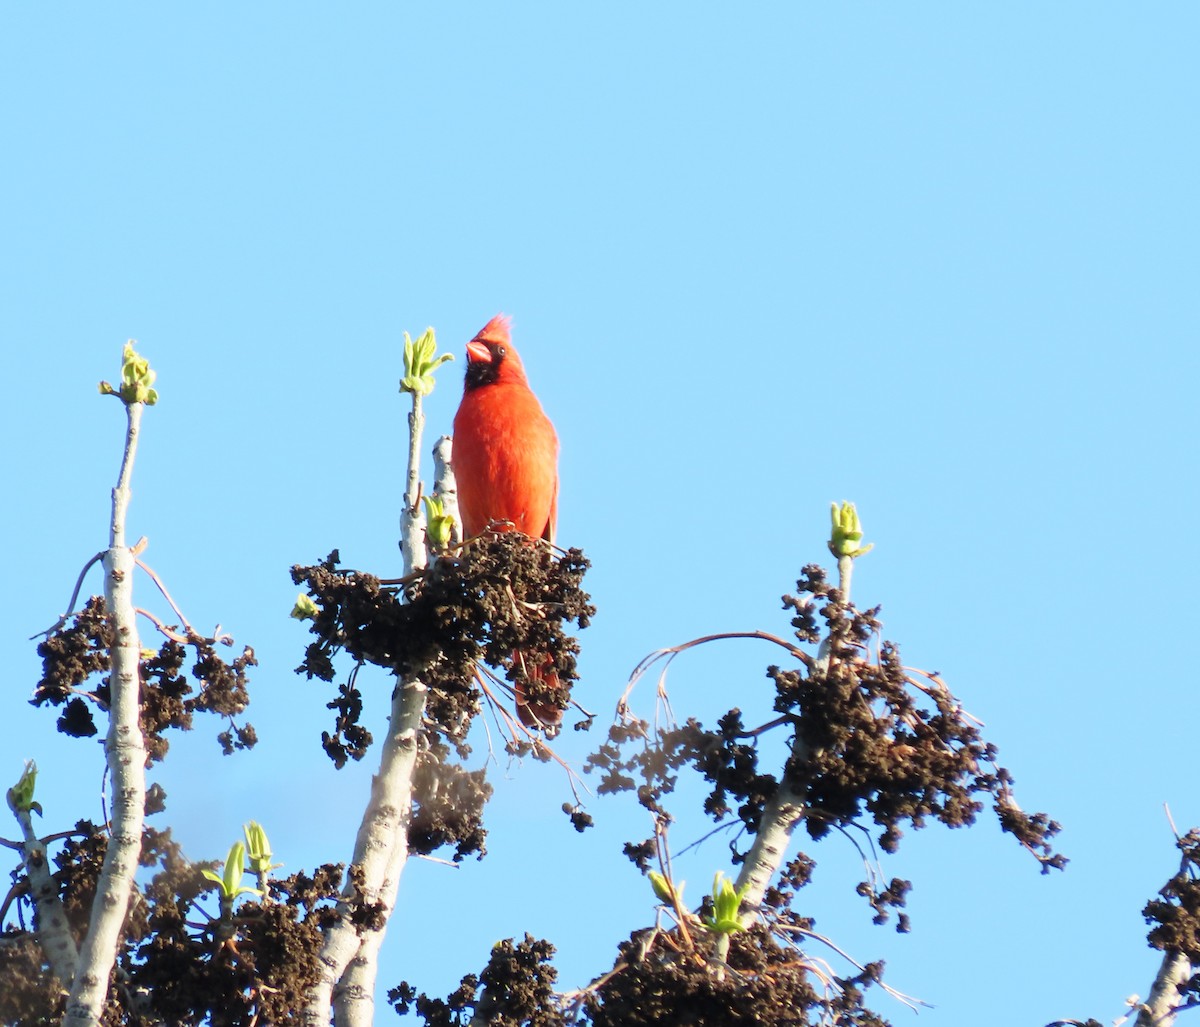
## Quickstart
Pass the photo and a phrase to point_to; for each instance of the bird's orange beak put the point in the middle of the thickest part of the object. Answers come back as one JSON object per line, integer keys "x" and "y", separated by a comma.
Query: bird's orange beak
{"x": 478, "y": 353}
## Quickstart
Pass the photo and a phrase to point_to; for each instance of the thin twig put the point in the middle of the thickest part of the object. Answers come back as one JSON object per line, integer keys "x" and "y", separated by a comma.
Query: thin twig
{"x": 908, "y": 1000}
{"x": 74, "y": 598}
{"x": 708, "y": 834}
{"x": 663, "y": 851}
{"x": 441, "y": 862}
{"x": 873, "y": 870}
{"x": 1171, "y": 821}
{"x": 167, "y": 596}
{"x": 670, "y": 653}
{"x": 167, "y": 632}
{"x": 515, "y": 725}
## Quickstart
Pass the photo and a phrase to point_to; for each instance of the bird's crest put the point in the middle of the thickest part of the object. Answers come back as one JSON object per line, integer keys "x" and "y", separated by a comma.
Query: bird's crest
{"x": 496, "y": 330}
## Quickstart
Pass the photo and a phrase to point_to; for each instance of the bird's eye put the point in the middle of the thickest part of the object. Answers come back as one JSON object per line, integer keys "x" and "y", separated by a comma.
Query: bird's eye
{"x": 500, "y": 351}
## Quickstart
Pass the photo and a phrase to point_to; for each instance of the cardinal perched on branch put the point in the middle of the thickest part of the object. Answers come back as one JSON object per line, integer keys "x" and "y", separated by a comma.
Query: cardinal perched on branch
{"x": 506, "y": 467}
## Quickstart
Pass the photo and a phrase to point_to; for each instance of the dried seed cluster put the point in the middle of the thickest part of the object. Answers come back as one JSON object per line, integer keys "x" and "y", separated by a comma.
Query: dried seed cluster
{"x": 79, "y": 651}
{"x": 497, "y": 597}
{"x": 1175, "y": 915}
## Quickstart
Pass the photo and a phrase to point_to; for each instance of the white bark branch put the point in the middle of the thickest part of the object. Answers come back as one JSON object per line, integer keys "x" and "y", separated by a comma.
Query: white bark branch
{"x": 412, "y": 517}
{"x": 381, "y": 852}
{"x": 786, "y": 807}
{"x": 444, "y": 484}
{"x": 354, "y": 1000}
{"x": 1160, "y": 1009}
{"x": 53, "y": 930}
{"x": 783, "y": 812}
{"x": 349, "y": 960}
{"x": 125, "y": 750}
{"x": 845, "y": 573}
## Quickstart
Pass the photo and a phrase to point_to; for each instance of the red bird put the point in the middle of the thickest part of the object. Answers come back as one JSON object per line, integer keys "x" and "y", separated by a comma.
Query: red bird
{"x": 506, "y": 464}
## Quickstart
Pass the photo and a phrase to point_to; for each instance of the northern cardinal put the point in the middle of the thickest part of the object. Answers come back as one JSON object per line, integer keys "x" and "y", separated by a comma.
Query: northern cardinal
{"x": 506, "y": 467}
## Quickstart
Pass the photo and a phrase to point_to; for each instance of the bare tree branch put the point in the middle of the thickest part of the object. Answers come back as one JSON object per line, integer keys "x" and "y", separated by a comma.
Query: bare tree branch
{"x": 1163, "y": 1003}
{"x": 125, "y": 750}
{"x": 357, "y": 988}
{"x": 53, "y": 931}
{"x": 786, "y": 808}
{"x": 74, "y": 598}
{"x": 349, "y": 955}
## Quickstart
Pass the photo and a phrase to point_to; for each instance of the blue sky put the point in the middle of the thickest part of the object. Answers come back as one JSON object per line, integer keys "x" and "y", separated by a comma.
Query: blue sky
{"x": 936, "y": 258}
